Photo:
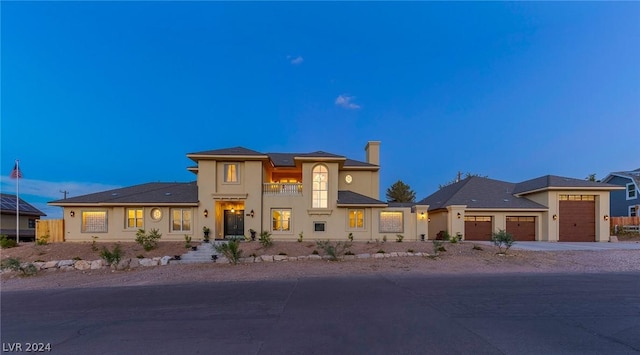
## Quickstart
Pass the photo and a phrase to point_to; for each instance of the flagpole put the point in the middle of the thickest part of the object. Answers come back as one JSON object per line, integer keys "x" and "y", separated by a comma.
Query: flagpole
{"x": 18, "y": 203}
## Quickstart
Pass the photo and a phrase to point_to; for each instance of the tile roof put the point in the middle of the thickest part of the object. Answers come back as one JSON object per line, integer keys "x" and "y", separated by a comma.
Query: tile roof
{"x": 633, "y": 174}
{"x": 551, "y": 181}
{"x": 282, "y": 159}
{"x": 229, "y": 151}
{"x": 8, "y": 206}
{"x": 351, "y": 162}
{"x": 319, "y": 154}
{"x": 346, "y": 197}
{"x": 157, "y": 193}
{"x": 479, "y": 192}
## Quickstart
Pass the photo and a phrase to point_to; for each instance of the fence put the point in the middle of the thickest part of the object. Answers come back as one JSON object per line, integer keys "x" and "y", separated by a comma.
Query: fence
{"x": 625, "y": 224}
{"x": 54, "y": 228}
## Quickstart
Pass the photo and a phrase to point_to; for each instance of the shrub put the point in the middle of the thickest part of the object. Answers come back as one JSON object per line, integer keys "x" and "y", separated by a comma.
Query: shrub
{"x": 399, "y": 238}
{"x": 5, "y": 242}
{"x": 112, "y": 257}
{"x": 231, "y": 250}
{"x": 477, "y": 247}
{"x": 148, "y": 241}
{"x": 502, "y": 239}
{"x": 265, "y": 239}
{"x": 94, "y": 246}
{"x": 187, "y": 241}
{"x": 314, "y": 252}
{"x": 76, "y": 258}
{"x": 384, "y": 238}
{"x": 410, "y": 250}
{"x": 334, "y": 250}
{"x": 14, "y": 264}
{"x": 349, "y": 252}
{"x": 300, "y": 236}
{"x": 438, "y": 246}
{"x": 380, "y": 251}
{"x": 282, "y": 253}
{"x": 44, "y": 240}
{"x": 455, "y": 238}
{"x": 350, "y": 237}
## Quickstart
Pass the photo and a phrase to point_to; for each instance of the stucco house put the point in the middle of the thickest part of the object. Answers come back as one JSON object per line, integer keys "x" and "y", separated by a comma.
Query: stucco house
{"x": 625, "y": 202}
{"x": 319, "y": 195}
{"x": 27, "y": 220}
{"x": 548, "y": 208}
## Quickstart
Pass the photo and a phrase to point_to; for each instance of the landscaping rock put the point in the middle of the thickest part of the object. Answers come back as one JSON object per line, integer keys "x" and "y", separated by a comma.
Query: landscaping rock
{"x": 304, "y": 257}
{"x": 62, "y": 263}
{"x": 134, "y": 263}
{"x": 393, "y": 254}
{"x": 148, "y": 262}
{"x": 82, "y": 265}
{"x": 363, "y": 256}
{"x": 292, "y": 258}
{"x": 165, "y": 260}
{"x": 267, "y": 258}
{"x": 280, "y": 258}
{"x": 50, "y": 264}
{"x": 96, "y": 264}
{"x": 378, "y": 255}
{"x": 349, "y": 257}
{"x": 315, "y": 257}
{"x": 39, "y": 265}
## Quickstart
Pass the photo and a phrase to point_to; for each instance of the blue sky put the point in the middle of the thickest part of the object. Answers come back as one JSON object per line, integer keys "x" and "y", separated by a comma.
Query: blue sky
{"x": 98, "y": 95}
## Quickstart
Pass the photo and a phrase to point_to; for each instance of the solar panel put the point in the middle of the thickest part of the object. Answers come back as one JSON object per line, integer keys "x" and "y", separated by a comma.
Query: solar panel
{"x": 8, "y": 203}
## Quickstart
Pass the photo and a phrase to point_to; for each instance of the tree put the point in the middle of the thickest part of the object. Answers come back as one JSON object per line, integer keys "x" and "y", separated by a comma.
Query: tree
{"x": 592, "y": 177}
{"x": 459, "y": 178}
{"x": 400, "y": 192}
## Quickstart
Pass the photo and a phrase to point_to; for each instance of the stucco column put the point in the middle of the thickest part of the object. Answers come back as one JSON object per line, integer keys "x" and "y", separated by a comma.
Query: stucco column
{"x": 422, "y": 223}
{"x": 455, "y": 222}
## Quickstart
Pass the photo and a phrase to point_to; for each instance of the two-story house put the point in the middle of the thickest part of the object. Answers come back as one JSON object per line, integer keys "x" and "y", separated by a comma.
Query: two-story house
{"x": 625, "y": 203}
{"x": 237, "y": 190}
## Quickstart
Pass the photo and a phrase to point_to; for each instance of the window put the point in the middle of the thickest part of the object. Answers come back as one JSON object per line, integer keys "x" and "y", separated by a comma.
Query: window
{"x": 356, "y": 219}
{"x": 94, "y": 221}
{"x": 577, "y": 198}
{"x": 633, "y": 211}
{"x": 134, "y": 218}
{"x": 180, "y": 220}
{"x": 318, "y": 226}
{"x": 481, "y": 218}
{"x": 32, "y": 223}
{"x": 320, "y": 187}
{"x": 631, "y": 191}
{"x": 231, "y": 173}
{"x": 391, "y": 222}
{"x": 281, "y": 220}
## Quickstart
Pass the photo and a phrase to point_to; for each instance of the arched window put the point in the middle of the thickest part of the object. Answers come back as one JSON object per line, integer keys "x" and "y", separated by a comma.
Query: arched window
{"x": 320, "y": 188}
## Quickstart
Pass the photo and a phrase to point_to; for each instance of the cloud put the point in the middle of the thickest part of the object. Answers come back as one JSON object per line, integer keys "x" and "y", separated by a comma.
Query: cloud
{"x": 51, "y": 189}
{"x": 296, "y": 61}
{"x": 346, "y": 102}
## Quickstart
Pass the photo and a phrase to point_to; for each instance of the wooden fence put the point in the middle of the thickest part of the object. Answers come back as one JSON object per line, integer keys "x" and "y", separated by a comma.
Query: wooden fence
{"x": 54, "y": 228}
{"x": 625, "y": 221}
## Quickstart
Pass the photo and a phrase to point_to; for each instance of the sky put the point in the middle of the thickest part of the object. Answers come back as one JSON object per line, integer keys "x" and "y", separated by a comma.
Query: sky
{"x": 100, "y": 95}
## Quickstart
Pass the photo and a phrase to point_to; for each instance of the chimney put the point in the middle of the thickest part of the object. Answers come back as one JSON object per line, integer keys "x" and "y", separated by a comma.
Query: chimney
{"x": 372, "y": 150}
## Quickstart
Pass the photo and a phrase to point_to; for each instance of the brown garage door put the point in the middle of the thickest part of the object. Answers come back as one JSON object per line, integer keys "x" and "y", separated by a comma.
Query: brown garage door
{"x": 522, "y": 228}
{"x": 577, "y": 221}
{"x": 477, "y": 228}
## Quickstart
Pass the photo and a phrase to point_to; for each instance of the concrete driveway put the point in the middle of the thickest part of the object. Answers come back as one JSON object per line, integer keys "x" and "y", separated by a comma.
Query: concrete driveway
{"x": 561, "y": 246}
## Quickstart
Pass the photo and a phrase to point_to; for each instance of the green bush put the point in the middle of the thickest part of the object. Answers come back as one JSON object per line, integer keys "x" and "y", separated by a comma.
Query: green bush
{"x": 231, "y": 250}
{"x": 335, "y": 250}
{"x": 148, "y": 241}
{"x": 265, "y": 239}
{"x": 502, "y": 239}
{"x": 112, "y": 257}
{"x": 14, "y": 264}
{"x": 438, "y": 246}
{"x": 5, "y": 242}
{"x": 350, "y": 237}
{"x": 44, "y": 240}
{"x": 187, "y": 241}
{"x": 300, "y": 236}
{"x": 94, "y": 245}
{"x": 399, "y": 238}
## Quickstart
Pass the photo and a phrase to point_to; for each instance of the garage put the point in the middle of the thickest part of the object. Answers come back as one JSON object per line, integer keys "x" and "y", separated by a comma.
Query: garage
{"x": 478, "y": 228}
{"x": 577, "y": 217}
{"x": 522, "y": 228}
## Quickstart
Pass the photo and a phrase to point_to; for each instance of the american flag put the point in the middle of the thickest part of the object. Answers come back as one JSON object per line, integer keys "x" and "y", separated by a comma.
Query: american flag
{"x": 16, "y": 173}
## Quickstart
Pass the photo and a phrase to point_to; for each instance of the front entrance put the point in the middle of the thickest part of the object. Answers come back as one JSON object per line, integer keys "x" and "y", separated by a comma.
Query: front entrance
{"x": 233, "y": 224}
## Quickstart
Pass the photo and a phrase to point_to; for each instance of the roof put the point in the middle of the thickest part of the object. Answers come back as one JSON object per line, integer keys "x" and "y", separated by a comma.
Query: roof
{"x": 229, "y": 151}
{"x": 154, "y": 193}
{"x": 633, "y": 175}
{"x": 479, "y": 192}
{"x": 346, "y": 197}
{"x": 555, "y": 182}
{"x": 8, "y": 206}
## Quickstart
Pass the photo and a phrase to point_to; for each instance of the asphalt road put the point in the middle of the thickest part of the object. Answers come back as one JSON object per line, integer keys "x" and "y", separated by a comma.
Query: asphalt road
{"x": 478, "y": 314}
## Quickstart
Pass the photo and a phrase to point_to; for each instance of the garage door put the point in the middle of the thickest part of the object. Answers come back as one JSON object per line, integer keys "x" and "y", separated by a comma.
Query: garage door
{"x": 577, "y": 220}
{"x": 522, "y": 228}
{"x": 477, "y": 228}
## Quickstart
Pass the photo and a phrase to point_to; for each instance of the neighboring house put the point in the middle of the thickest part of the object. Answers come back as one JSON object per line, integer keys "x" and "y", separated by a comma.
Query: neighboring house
{"x": 548, "y": 208}
{"x": 29, "y": 216}
{"x": 626, "y": 202}
{"x": 319, "y": 195}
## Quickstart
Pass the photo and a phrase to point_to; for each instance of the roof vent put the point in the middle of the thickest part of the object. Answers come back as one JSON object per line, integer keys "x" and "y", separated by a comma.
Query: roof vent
{"x": 114, "y": 194}
{"x": 167, "y": 193}
{"x": 473, "y": 200}
{"x": 505, "y": 200}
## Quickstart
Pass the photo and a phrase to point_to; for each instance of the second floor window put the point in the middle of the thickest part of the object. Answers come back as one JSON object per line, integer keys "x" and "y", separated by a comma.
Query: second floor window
{"x": 631, "y": 191}
{"x": 231, "y": 173}
{"x": 320, "y": 190}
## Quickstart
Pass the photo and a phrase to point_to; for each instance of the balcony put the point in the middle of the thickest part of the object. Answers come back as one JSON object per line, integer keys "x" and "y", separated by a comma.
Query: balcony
{"x": 282, "y": 189}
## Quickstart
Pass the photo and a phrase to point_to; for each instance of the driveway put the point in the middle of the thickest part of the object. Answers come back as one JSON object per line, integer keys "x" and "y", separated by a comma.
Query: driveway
{"x": 562, "y": 246}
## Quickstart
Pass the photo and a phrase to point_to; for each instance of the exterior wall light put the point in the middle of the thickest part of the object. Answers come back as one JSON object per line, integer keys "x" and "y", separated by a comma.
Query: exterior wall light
{"x": 606, "y": 217}
{"x": 429, "y": 219}
{"x": 72, "y": 213}
{"x": 252, "y": 214}
{"x": 459, "y": 215}
{"x": 555, "y": 217}
{"x": 422, "y": 216}
{"x": 206, "y": 213}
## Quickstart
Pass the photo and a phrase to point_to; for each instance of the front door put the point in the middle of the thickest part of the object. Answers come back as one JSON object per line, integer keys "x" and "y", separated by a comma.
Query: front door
{"x": 233, "y": 224}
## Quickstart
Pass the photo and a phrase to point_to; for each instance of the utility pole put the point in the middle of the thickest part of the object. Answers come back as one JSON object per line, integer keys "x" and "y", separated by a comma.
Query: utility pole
{"x": 65, "y": 193}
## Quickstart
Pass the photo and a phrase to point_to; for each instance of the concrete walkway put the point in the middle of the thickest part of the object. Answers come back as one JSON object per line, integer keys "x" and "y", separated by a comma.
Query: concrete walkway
{"x": 560, "y": 246}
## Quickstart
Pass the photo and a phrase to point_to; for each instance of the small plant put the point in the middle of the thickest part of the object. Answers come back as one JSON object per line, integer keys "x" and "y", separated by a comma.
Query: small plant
{"x": 5, "y": 242}
{"x": 409, "y": 250}
{"x": 333, "y": 250}
{"x": 44, "y": 240}
{"x": 253, "y": 234}
{"x": 314, "y": 252}
{"x": 76, "y": 258}
{"x": 399, "y": 238}
{"x": 349, "y": 252}
{"x": 231, "y": 250}
{"x": 140, "y": 256}
{"x": 502, "y": 239}
{"x": 350, "y": 237}
{"x": 380, "y": 251}
{"x": 477, "y": 247}
{"x": 300, "y": 236}
{"x": 454, "y": 238}
{"x": 384, "y": 238}
{"x": 253, "y": 255}
{"x": 265, "y": 239}
{"x": 112, "y": 257}
{"x": 94, "y": 245}
{"x": 205, "y": 232}
{"x": 282, "y": 253}
{"x": 148, "y": 241}
{"x": 438, "y": 246}
{"x": 187, "y": 241}
{"x": 14, "y": 264}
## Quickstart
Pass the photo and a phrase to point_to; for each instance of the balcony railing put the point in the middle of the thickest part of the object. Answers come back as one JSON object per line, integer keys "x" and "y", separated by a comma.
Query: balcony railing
{"x": 282, "y": 189}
